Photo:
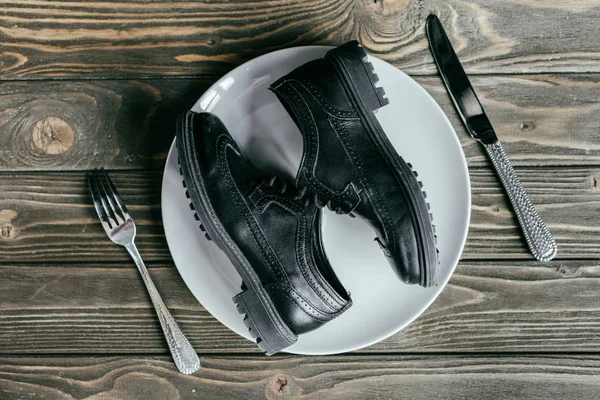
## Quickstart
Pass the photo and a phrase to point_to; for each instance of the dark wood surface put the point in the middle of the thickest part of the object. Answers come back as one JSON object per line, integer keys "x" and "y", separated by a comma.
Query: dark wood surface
{"x": 48, "y": 216}
{"x": 488, "y": 306}
{"x": 65, "y": 39}
{"x": 128, "y": 124}
{"x": 85, "y": 84}
{"x": 509, "y": 376}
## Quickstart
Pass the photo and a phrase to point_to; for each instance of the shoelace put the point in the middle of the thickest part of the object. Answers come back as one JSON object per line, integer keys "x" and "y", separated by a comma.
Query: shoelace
{"x": 302, "y": 192}
{"x": 284, "y": 186}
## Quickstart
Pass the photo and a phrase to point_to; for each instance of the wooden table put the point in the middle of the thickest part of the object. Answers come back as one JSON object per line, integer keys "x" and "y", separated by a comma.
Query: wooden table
{"x": 85, "y": 84}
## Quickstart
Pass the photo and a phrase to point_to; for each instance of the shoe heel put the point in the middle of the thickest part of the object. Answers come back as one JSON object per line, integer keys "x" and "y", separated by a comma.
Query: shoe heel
{"x": 271, "y": 333}
{"x": 352, "y": 58}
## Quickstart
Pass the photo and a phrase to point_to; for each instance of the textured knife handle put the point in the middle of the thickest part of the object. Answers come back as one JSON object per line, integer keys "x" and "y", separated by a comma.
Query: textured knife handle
{"x": 538, "y": 237}
{"x": 185, "y": 357}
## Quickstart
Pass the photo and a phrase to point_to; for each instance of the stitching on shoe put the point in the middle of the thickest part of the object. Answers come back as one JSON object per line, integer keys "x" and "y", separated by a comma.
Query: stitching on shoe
{"x": 221, "y": 145}
{"x": 332, "y": 293}
{"x": 304, "y": 305}
{"x": 326, "y": 105}
{"x": 381, "y": 208}
{"x": 262, "y": 200}
{"x": 264, "y": 246}
{"x": 222, "y": 142}
{"x": 311, "y": 135}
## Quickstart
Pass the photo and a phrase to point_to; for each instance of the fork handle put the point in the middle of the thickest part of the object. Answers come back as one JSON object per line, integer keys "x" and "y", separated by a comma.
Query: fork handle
{"x": 183, "y": 353}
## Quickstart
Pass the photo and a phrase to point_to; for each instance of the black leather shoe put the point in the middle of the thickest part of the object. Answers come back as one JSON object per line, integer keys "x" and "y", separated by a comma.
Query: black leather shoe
{"x": 349, "y": 162}
{"x": 269, "y": 231}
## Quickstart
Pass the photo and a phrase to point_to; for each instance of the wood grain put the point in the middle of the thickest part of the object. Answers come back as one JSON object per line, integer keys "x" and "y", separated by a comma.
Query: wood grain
{"x": 49, "y": 217}
{"x": 541, "y": 120}
{"x": 82, "y": 84}
{"x": 492, "y": 306}
{"x": 59, "y": 39}
{"x": 380, "y": 377}
{"x": 79, "y": 125}
{"x": 545, "y": 120}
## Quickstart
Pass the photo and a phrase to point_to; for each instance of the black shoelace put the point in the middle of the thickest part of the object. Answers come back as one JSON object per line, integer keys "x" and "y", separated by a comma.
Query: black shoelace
{"x": 302, "y": 193}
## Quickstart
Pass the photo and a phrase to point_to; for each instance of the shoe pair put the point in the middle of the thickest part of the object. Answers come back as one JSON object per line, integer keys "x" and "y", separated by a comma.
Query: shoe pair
{"x": 271, "y": 231}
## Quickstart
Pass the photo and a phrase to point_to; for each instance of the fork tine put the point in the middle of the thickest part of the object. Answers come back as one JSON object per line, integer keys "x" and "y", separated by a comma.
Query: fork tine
{"x": 115, "y": 194}
{"x": 100, "y": 204}
{"x": 104, "y": 200}
{"x": 107, "y": 199}
{"x": 96, "y": 198}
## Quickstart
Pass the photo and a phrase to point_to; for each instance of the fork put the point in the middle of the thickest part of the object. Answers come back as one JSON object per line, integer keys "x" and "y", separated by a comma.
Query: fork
{"x": 120, "y": 228}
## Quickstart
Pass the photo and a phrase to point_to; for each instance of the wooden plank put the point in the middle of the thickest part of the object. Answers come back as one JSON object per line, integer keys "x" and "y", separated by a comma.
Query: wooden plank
{"x": 101, "y": 309}
{"x": 376, "y": 377}
{"x": 167, "y": 38}
{"x": 487, "y": 307}
{"x": 67, "y": 125}
{"x": 541, "y": 119}
{"x": 567, "y": 200}
{"x": 48, "y": 216}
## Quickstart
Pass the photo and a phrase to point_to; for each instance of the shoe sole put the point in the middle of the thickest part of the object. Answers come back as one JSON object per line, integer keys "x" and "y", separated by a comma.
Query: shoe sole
{"x": 264, "y": 322}
{"x": 359, "y": 79}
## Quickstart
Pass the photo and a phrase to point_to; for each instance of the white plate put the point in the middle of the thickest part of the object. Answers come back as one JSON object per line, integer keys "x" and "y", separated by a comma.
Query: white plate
{"x": 419, "y": 131}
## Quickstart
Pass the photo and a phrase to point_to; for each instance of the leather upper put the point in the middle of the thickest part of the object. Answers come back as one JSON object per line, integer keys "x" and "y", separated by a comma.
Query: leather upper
{"x": 275, "y": 226}
{"x": 343, "y": 166}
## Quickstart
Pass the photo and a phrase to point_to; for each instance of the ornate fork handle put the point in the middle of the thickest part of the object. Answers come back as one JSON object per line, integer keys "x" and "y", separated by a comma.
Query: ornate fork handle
{"x": 538, "y": 237}
{"x": 183, "y": 353}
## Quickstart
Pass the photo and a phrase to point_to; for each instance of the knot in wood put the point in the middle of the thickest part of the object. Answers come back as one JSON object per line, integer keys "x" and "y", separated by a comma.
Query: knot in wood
{"x": 282, "y": 387}
{"x": 52, "y": 135}
{"x": 7, "y": 229}
{"x": 213, "y": 40}
{"x": 526, "y": 126}
{"x": 281, "y": 384}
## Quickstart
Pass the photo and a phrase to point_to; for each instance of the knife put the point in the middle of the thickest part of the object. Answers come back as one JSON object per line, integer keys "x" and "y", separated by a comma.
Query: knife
{"x": 538, "y": 237}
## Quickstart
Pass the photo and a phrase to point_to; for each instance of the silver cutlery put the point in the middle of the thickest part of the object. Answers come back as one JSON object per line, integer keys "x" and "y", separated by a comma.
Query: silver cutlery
{"x": 538, "y": 237}
{"x": 120, "y": 228}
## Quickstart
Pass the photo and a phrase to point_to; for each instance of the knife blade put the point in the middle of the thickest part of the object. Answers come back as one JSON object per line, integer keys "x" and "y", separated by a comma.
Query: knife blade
{"x": 537, "y": 235}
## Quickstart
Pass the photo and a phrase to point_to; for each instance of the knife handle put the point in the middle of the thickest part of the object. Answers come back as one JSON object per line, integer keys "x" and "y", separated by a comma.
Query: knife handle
{"x": 538, "y": 237}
